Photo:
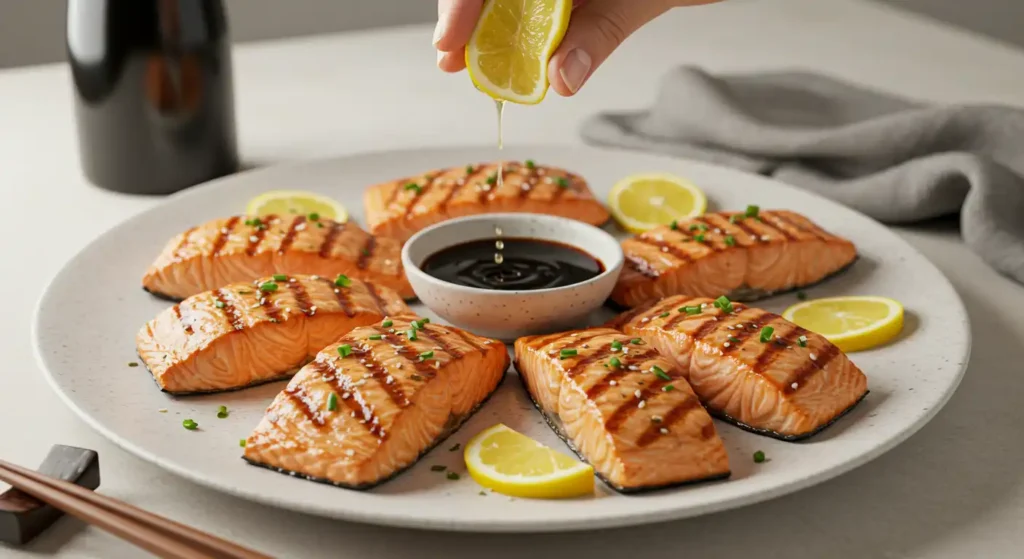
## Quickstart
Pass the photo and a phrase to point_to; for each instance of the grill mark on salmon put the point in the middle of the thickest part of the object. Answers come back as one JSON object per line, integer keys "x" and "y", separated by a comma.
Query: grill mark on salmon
{"x": 466, "y": 339}
{"x": 382, "y": 306}
{"x": 666, "y": 248}
{"x": 222, "y": 236}
{"x": 301, "y": 400}
{"x": 302, "y": 296}
{"x": 811, "y": 368}
{"x": 349, "y": 393}
{"x": 226, "y": 305}
{"x": 289, "y": 237}
{"x": 641, "y": 266}
{"x": 428, "y": 184}
{"x": 184, "y": 241}
{"x": 458, "y": 187}
{"x": 377, "y": 373}
{"x": 740, "y": 335}
{"x": 257, "y": 236}
{"x": 186, "y": 326}
{"x": 422, "y": 367}
{"x": 328, "y": 242}
{"x": 771, "y": 349}
{"x": 366, "y": 253}
{"x": 631, "y": 406}
{"x": 342, "y": 297}
{"x": 674, "y": 415}
{"x": 438, "y": 340}
{"x": 530, "y": 175}
{"x": 270, "y": 307}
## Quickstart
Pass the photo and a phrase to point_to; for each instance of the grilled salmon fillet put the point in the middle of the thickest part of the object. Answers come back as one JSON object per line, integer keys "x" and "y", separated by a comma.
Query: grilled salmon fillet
{"x": 250, "y": 333}
{"x": 622, "y": 407}
{"x": 241, "y": 248}
{"x": 402, "y": 207}
{"x": 746, "y": 258}
{"x": 751, "y": 367}
{"x": 370, "y": 405}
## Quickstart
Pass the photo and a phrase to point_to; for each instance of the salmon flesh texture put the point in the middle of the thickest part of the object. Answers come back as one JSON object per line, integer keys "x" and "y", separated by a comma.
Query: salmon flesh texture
{"x": 241, "y": 248}
{"x": 370, "y": 405}
{"x": 751, "y": 367}
{"x": 400, "y": 208}
{"x": 245, "y": 334}
{"x": 726, "y": 253}
{"x": 622, "y": 407}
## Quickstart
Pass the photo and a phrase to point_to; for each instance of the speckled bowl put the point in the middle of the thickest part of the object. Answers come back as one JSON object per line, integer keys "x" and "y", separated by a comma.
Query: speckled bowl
{"x": 507, "y": 315}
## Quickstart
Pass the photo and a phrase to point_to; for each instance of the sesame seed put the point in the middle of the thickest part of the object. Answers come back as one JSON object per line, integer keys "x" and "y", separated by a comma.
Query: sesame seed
{"x": 253, "y": 238}
{"x": 663, "y": 430}
{"x": 574, "y": 334}
{"x": 703, "y": 305}
{"x": 551, "y": 352}
{"x": 314, "y": 277}
{"x": 525, "y": 187}
{"x": 345, "y": 395}
{"x": 350, "y": 452}
{"x": 398, "y": 366}
{"x": 312, "y": 308}
{"x": 726, "y": 344}
{"x": 613, "y": 383}
{"x": 615, "y": 350}
{"x": 813, "y": 357}
{"x": 224, "y": 231}
{"x": 794, "y": 386}
{"x": 300, "y": 227}
{"x": 460, "y": 182}
{"x": 718, "y": 230}
{"x": 664, "y": 249}
{"x": 765, "y": 238}
{"x": 586, "y": 346}
{"x": 642, "y": 404}
{"x": 645, "y": 319}
{"x": 634, "y": 368}
{"x": 637, "y": 393}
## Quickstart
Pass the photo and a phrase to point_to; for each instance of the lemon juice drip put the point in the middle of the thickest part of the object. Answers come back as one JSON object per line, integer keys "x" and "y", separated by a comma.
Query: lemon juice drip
{"x": 500, "y": 104}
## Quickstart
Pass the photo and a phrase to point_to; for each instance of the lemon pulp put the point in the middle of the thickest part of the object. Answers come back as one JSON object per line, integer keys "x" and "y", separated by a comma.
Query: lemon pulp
{"x": 296, "y": 202}
{"x": 644, "y": 201}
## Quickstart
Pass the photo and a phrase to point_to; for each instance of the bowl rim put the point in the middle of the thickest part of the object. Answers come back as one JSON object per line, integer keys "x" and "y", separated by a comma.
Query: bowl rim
{"x": 614, "y": 267}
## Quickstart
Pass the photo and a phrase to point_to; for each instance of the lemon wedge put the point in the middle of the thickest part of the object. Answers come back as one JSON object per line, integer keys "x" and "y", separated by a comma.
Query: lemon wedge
{"x": 292, "y": 202}
{"x": 511, "y": 463}
{"x": 852, "y": 323}
{"x": 507, "y": 55}
{"x": 645, "y": 201}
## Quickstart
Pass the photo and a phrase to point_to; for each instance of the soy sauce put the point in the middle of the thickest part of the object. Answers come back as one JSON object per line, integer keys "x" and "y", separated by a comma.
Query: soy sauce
{"x": 525, "y": 265}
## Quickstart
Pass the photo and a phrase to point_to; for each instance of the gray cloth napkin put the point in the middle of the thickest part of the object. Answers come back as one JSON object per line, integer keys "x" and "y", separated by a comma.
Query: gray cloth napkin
{"x": 896, "y": 160}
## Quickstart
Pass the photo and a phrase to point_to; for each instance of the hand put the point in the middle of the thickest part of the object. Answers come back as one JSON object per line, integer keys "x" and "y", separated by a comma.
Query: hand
{"x": 596, "y": 29}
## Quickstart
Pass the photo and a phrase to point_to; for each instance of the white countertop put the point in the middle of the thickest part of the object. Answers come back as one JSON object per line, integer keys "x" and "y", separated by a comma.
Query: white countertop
{"x": 956, "y": 489}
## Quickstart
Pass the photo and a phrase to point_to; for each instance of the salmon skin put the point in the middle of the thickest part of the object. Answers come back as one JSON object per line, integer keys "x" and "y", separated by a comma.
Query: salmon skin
{"x": 745, "y": 258}
{"x": 241, "y": 248}
{"x": 750, "y": 367}
{"x": 400, "y": 208}
{"x": 622, "y": 407}
{"x": 245, "y": 334}
{"x": 369, "y": 406}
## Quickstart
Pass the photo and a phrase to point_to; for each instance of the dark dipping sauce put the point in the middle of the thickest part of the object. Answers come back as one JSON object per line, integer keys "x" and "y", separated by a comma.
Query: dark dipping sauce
{"x": 526, "y": 264}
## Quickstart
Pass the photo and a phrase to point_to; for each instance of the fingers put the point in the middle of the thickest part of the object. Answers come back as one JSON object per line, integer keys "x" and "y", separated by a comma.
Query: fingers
{"x": 455, "y": 22}
{"x": 451, "y": 62}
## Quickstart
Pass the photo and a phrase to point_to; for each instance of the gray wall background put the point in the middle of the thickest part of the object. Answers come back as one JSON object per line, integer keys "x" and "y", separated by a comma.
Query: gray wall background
{"x": 32, "y": 31}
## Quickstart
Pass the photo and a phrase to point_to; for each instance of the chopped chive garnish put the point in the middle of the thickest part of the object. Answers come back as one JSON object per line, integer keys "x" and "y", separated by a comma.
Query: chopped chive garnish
{"x": 674, "y": 225}
{"x": 411, "y": 334}
{"x": 752, "y": 211}
{"x": 758, "y": 457}
{"x": 268, "y": 286}
{"x": 344, "y": 350}
{"x": 802, "y": 340}
{"x": 416, "y": 377}
{"x": 482, "y": 493}
{"x": 699, "y": 237}
{"x": 801, "y": 295}
{"x": 364, "y": 252}
{"x": 454, "y": 447}
{"x": 133, "y": 364}
{"x": 566, "y": 353}
{"x": 735, "y": 218}
{"x": 658, "y": 372}
{"x": 319, "y": 225}
{"x": 691, "y": 309}
{"x": 243, "y": 292}
{"x": 724, "y": 303}
{"x": 280, "y": 277}
{"x": 314, "y": 216}
{"x": 668, "y": 388}
{"x": 190, "y": 425}
{"x": 492, "y": 178}
{"x": 766, "y": 334}
{"x": 734, "y": 339}
{"x": 663, "y": 315}
{"x": 222, "y": 412}
{"x": 342, "y": 281}
{"x": 614, "y": 362}
{"x": 636, "y": 341}
{"x": 616, "y": 345}
{"x": 730, "y": 241}
{"x": 332, "y": 402}
{"x": 530, "y": 164}
{"x": 453, "y": 476}
{"x": 219, "y": 304}
{"x": 413, "y": 186}
{"x": 386, "y": 324}
{"x": 438, "y": 468}
{"x": 469, "y": 169}
{"x": 375, "y": 336}
{"x": 562, "y": 182}
{"x": 426, "y": 355}
{"x": 241, "y": 443}
{"x": 699, "y": 226}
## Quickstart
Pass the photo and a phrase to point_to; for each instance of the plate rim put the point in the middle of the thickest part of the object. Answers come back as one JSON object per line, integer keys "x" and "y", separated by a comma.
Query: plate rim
{"x": 436, "y": 523}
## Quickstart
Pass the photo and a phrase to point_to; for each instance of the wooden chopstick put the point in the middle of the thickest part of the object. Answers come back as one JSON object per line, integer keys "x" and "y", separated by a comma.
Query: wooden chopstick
{"x": 158, "y": 535}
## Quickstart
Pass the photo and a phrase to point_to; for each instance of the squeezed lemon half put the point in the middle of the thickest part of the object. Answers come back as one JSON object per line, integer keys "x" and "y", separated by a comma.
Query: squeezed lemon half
{"x": 511, "y": 463}
{"x": 296, "y": 202}
{"x": 644, "y": 201}
{"x": 852, "y": 323}
{"x": 507, "y": 55}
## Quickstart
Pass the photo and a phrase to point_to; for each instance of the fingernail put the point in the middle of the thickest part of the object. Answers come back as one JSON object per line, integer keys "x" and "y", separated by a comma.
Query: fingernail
{"x": 442, "y": 23}
{"x": 440, "y": 57}
{"x": 575, "y": 68}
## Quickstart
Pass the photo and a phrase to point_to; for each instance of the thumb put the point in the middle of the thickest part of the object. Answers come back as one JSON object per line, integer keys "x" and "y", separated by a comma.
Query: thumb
{"x": 596, "y": 29}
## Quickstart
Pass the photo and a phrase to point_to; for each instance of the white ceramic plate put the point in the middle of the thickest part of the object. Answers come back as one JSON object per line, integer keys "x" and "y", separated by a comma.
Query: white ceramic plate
{"x": 87, "y": 320}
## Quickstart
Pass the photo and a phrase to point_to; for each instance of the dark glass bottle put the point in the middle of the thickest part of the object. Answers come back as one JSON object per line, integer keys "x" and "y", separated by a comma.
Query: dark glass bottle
{"x": 153, "y": 92}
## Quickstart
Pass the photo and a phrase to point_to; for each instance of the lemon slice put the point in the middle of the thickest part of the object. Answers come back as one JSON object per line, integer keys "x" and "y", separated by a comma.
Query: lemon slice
{"x": 645, "y": 201}
{"x": 853, "y": 323}
{"x": 514, "y": 464}
{"x": 291, "y": 202}
{"x": 507, "y": 55}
